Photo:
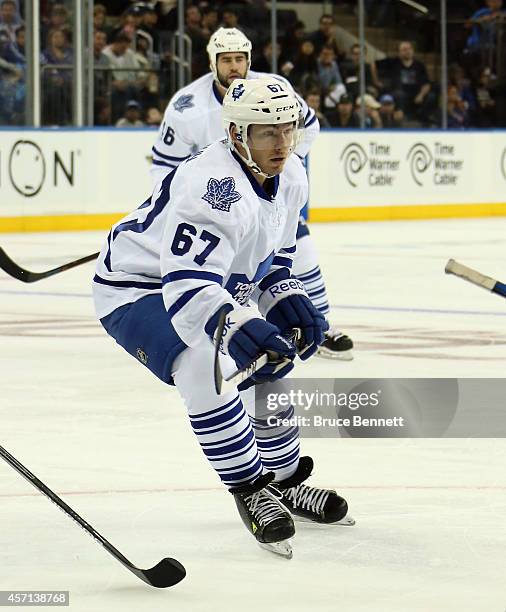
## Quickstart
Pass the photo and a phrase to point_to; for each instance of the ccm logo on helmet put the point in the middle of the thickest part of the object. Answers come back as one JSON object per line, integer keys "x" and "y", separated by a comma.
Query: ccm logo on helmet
{"x": 285, "y": 108}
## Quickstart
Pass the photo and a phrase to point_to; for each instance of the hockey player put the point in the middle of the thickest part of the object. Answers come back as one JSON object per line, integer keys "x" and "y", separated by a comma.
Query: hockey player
{"x": 192, "y": 121}
{"x": 219, "y": 230}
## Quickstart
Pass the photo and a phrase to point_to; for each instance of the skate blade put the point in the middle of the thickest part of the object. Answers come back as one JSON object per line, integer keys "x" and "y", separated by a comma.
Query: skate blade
{"x": 337, "y": 355}
{"x": 347, "y": 521}
{"x": 283, "y": 549}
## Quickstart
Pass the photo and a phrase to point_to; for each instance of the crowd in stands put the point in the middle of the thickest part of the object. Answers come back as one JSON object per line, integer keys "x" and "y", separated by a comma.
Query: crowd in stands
{"x": 133, "y": 61}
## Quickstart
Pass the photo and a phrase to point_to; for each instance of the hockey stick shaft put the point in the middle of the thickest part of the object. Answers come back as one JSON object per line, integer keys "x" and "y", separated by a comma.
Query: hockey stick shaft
{"x": 172, "y": 572}
{"x": 475, "y": 277}
{"x": 19, "y": 273}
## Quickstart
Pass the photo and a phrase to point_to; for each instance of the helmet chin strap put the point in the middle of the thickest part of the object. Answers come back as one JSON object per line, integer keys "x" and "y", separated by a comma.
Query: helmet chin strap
{"x": 252, "y": 165}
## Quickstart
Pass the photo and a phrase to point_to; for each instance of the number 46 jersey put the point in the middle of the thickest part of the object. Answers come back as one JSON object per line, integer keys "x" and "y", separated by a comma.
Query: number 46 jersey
{"x": 193, "y": 120}
{"x": 209, "y": 235}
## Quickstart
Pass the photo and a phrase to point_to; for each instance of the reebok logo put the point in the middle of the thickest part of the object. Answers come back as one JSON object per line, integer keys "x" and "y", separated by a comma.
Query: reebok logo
{"x": 286, "y": 287}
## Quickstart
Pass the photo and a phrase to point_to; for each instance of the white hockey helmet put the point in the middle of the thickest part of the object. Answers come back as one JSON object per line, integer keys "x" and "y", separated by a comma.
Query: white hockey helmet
{"x": 265, "y": 101}
{"x": 227, "y": 40}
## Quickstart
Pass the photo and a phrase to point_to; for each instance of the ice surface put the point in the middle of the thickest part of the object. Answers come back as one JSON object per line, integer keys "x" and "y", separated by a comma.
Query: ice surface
{"x": 117, "y": 446}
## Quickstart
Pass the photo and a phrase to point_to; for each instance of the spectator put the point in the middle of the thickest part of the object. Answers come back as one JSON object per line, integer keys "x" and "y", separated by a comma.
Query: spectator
{"x": 313, "y": 100}
{"x": 410, "y": 84}
{"x": 121, "y": 56}
{"x": 127, "y": 25}
{"x": 134, "y": 17}
{"x": 12, "y": 83}
{"x": 329, "y": 76}
{"x": 486, "y": 112}
{"x": 457, "y": 77}
{"x": 149, "y": 94}
{"x": 199, "y": 38}
{"x": 57, "y": 59}
{"x": 58, "y": 20}
{"x": 149, "y": 21}
{"x": 482, "y": 24}
{"x": 102, "y": 111}
{"x": 351, "y": 73}
{"x": 100, "y": 19}
{"x": 230, "y": 19}
{"x": 99, "y": 16}
{"x": 153, "y": 117}
{"x": 372, "y": 115}
{"x": 209, "y": 21}
{"x": 264, "y": 62}
{"x": 127, "y": 80}
{"x": 14, "y": 52}
{"x": 328, "y": 70}
{"x": 148, "y": 27}
{"x": 343, "y": 115}
{"x": 391, "y": 117}
{"x": 325, "y": 35}
{"x": 9, "y": 19}
{"x": 291, "y": 41}
{"x": 132, "y": 116}
{"x": 101, "y": 64}
{"x": 304, "y": 75}
{"x": 458, "y": 117}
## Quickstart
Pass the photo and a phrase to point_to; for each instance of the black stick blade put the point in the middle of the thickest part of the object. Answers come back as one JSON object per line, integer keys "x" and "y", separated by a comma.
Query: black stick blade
{"x": 164, "y": 574}
{"x": 19, "y": 273}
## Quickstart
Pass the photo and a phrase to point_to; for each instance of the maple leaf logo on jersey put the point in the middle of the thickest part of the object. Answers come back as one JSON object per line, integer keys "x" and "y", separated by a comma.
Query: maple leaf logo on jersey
{"x": 183, "y": 102}
{"x": 221, "y": 193}
{"x": 237, "y": 92}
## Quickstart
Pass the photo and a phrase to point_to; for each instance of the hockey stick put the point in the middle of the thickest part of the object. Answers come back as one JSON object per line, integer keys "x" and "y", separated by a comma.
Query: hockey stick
{"x": 223, "y": 385}
{"x": 476, "y": 278}
{"x": 12, "y": 268}
{"x": 164, "y": 574}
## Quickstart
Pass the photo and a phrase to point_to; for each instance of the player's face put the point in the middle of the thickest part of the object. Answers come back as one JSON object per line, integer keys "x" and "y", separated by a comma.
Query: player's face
{"x": 271, "y": 145}
{"x": 231, "y": 66}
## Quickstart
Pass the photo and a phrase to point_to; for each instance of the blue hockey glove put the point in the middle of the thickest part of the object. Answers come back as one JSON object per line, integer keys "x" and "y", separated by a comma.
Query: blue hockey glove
{"x": 255, "y": 337}
{"x": 287, "y": 306}
{"x": 245, "y": 337}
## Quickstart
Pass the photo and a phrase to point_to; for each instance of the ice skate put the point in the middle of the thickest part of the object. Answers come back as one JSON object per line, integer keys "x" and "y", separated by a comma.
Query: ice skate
{"x": 312, "y": 503}
{"x": 264, "y": 516}
{"x": 336, "y": 346}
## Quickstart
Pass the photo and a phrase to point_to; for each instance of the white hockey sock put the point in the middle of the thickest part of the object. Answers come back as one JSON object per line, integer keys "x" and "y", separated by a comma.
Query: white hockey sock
{"x": 307, "y": 270}
{"x": 228, "y": 441}
{"x": 278, "y": 445}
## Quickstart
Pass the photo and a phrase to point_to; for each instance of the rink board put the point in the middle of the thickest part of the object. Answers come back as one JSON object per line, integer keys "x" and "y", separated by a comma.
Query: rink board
{"x": 380, "y": 175}
{"x": 72, "y": 179}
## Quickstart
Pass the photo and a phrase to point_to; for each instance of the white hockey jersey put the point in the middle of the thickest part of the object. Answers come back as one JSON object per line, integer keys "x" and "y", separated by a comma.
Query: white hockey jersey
{"x": 193, "y": 120}
{"x": 208, "y": 235}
